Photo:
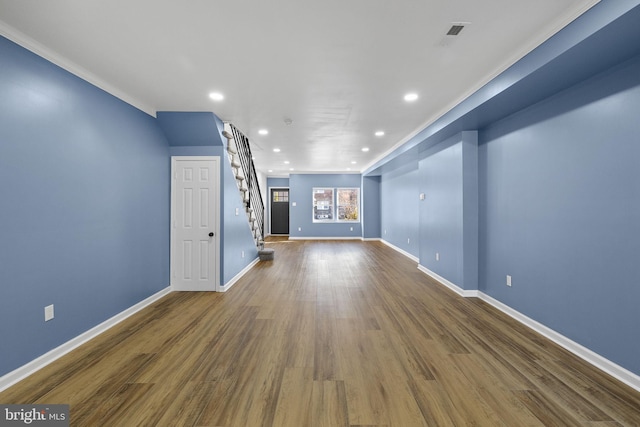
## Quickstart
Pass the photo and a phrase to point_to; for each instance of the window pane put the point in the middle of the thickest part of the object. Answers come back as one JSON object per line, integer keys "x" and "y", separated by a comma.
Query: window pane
{"x": 348, "y": 204}
{"x": 323, "y": 204}
{"x": 280, "y": 196}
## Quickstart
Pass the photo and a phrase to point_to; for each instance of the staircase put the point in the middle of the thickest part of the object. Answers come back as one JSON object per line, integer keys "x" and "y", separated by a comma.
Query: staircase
{"x": 247, "y": 179}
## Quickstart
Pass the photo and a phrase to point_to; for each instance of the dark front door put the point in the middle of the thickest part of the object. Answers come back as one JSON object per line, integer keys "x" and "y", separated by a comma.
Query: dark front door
{"x": 279, "y": 211}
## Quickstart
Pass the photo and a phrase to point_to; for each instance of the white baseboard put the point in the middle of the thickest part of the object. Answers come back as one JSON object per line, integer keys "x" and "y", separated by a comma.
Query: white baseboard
{"x": 455, "y": 288}
{"x": 605, "y": 365}
{"x": 371, "y": 239}
{"x": 24, "y": 371}
{"x": 403, "y": 252}
{"x": 237, "y": 277}
{"x": 325, "y": 238}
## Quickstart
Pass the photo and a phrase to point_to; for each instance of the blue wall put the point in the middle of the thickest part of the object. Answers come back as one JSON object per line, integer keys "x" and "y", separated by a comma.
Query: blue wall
{"x": 399, "y": 193}
{"x": 84, "y": 184}
{"x": 189, "y": 129}
{"x": 278, "y": 182}
{"x": 371, "y": 219}
{"x": 301, "y": 192}
{"x": 560, "y": 210}
{"x": 448, "y": 177}
{"x": 441, "y": 219}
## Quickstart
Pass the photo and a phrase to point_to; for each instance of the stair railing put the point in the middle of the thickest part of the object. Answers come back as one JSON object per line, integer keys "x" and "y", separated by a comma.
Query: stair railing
{"x": 253, "y": 203}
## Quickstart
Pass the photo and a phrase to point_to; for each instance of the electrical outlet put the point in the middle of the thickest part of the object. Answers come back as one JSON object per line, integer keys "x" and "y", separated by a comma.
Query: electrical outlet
{"x": 508, "y": 280}
{"x": 408, "y": 240}
{"x": 237, "y": 211}
{"x": 385, "y": 231}
{"x": 242, "y": 254}
{"x": 437, "y": 256}
{"x": 351, "y": 228}
{"x": 48, "y": 313}
{"x": 299, "y": 228}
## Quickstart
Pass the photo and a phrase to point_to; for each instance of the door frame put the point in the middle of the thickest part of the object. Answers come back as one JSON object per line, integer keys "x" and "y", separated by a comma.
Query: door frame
{"x": 215, "y": 160}
{"x": 269, "y": 196}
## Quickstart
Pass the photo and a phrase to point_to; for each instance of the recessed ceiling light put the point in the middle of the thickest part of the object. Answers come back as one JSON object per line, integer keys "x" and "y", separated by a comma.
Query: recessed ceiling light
{"x": 216, "y": 96}
{"x": 270, "y": 170}
{"x": 411, "y": 97}
{"x": 263, "y": 132}
{"x": 365, "y": 149}
{"x": 380, "y": 133}
{"x": 353, "y": 162}
{"x": 291, "y": 169}
{"x": 348, "y": 169}
{"x": 286, "y": 162}
{"x": 276, "y": 150}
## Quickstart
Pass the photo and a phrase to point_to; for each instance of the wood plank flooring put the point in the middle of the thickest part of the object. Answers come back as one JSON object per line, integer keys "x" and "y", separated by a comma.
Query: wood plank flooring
{"x": 330, "y": 333}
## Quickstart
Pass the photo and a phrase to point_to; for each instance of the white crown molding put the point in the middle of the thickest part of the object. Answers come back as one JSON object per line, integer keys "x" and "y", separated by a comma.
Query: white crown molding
{"x": 39, "y": 49}
{"x": 24, "y": 371}
{"x": 515, "y": 57}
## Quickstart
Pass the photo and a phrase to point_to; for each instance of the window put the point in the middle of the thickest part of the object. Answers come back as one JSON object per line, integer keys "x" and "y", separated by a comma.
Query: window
{"x": 348, "y": 204}
{"x": 345, "y": 200}
{"x": 323, "y": 205}
{"x": 280, "y": 196}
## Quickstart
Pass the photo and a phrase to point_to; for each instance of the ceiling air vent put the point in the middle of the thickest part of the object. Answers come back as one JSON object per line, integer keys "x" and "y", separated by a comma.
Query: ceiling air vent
{"x": 455, "y": 30}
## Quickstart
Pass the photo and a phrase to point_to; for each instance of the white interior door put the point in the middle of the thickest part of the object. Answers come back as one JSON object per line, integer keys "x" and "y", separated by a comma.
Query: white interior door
{"x": 194, "y": 223}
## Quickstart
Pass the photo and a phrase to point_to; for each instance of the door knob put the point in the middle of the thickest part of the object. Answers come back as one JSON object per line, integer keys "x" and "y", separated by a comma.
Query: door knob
{"x": 211, "y": 234}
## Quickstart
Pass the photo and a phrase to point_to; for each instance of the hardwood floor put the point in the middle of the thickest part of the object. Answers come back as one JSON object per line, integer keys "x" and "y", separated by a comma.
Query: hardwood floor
{"x": 328, "y": 334}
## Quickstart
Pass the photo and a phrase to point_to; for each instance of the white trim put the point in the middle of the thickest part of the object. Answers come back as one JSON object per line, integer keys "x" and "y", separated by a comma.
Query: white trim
{"x": 238, "y": 276}
{"x": 216, "y": 160}
{"x": 605, "y": 365}
{"x": 324, "y": 238}
{"x": 24, "y": 371}
{"x": 371, "y": 239}
{"x": 44, "y": 52}
{"x": 403, "y": 252}
{"x": 455, "y": 288}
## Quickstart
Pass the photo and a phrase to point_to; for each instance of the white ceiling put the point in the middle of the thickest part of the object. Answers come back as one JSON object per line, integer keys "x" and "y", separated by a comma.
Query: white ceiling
{"x": 338, "y": 69}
